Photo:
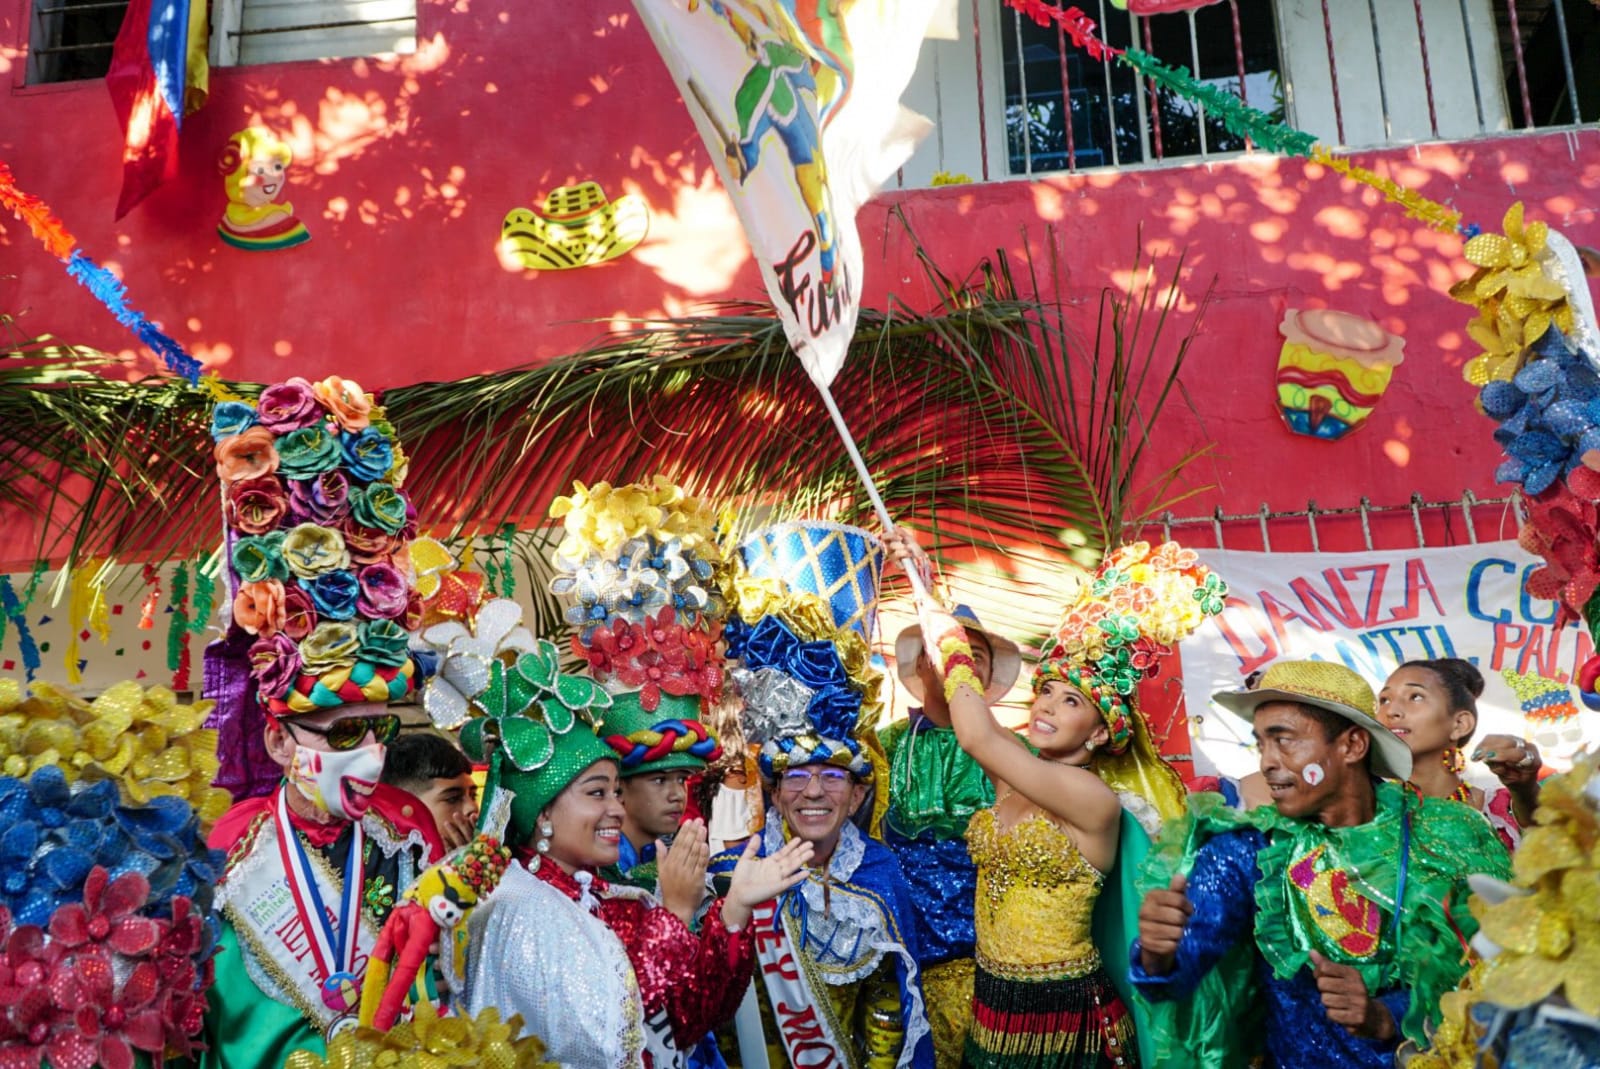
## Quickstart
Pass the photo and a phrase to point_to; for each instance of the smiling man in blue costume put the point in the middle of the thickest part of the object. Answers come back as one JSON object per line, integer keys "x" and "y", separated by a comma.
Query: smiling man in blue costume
{"x": 934, "y": 789}
{"x": 1339, "y": 913}
{"x": 315, "y": 522}
{"x": 838, "y": 955}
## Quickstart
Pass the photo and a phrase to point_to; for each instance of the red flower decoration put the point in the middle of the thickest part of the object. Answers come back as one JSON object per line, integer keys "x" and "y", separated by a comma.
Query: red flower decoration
{"x": 107, "y": 1025}
{"x": 1561, "y": 528}
{"x": 28, "y": 963}
{"x": 106, "y": 916}
{"x": 25, "y": 1032}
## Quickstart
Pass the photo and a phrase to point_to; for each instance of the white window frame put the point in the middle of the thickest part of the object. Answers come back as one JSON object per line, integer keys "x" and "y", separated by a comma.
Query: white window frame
{"x": 283, "y": 39}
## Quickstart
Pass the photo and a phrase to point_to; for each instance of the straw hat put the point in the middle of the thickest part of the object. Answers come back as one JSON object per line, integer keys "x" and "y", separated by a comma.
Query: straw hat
{"x": 1005, "y": 660}
{"x": 1329, "y": 686}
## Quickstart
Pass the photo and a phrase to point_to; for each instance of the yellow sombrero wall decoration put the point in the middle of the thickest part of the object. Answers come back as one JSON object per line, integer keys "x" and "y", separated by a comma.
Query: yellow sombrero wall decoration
{"x": 578, "y": 228}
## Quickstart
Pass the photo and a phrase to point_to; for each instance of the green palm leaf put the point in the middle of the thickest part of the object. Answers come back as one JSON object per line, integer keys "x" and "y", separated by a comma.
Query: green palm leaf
{"x": 985, "y": 419}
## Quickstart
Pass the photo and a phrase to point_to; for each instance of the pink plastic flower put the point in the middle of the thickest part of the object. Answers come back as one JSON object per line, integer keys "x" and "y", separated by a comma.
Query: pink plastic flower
{"x": 106, "y": 916}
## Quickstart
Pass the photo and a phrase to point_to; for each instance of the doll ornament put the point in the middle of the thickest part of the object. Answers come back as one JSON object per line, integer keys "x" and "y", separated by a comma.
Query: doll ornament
{"x": 427, "y": 924}
{"x": 254, "y": 166}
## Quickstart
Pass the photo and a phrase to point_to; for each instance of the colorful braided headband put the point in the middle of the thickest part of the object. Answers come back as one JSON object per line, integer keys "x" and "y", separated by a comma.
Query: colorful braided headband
{"x": 665, "y": 738}
{"x": 1113, "y": 707}
{"x": 361, "y": 682}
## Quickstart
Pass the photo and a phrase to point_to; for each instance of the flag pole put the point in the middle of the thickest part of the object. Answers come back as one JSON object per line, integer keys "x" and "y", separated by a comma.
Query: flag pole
{"x": 917, "y": 585}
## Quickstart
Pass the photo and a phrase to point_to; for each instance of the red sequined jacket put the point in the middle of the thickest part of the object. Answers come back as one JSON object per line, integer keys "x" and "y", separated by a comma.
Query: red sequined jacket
{"x": 697, "y": 980}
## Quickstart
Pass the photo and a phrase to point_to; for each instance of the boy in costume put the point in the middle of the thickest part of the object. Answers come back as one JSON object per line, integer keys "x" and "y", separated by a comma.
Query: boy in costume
{"x": 641, "y": 566}
{"x": 838, "y": 956}
{"x": 934, "y": 789}
{"x": 434, "y": 771}
{"x": 315, "y": 520}
{"x": 1339, "y": 912}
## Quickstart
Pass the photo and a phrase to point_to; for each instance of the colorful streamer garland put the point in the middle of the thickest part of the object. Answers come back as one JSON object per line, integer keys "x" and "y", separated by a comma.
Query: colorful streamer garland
{"x": 91, "y": 276}
{"x": 1237, "y": 116}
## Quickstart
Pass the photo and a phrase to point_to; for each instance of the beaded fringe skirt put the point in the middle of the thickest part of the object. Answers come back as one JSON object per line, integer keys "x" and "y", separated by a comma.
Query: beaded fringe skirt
{"x": 1049, "y": 1024}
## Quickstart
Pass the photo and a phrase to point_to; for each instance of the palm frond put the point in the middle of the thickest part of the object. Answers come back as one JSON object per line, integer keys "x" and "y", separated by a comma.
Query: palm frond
{"x": 986, "y": 420}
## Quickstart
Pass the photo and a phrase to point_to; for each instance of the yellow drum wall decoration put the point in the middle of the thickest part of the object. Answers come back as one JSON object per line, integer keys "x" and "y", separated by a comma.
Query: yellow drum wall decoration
{"x": 578, "y": 228}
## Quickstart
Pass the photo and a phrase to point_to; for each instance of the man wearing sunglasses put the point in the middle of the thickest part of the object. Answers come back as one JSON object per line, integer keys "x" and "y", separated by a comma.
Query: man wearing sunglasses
{"x": 323, "y": 610}
{"x": 331, "y": 840}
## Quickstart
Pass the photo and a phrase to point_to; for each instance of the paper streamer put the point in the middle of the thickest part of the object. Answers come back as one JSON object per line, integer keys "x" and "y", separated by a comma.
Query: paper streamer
{"x": 91, "y": 276}
{"x": 508, "y": 575}
{"x": 12, "y": 608}
{"x": 178, "y": 628}
{"x": 87, "y": 605}
{"x": 205, "y": 598}
{"x": 1237, "y": 116}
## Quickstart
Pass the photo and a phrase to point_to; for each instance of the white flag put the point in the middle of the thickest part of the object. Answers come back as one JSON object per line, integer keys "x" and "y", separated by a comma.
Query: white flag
{"x": 799, "y": 101}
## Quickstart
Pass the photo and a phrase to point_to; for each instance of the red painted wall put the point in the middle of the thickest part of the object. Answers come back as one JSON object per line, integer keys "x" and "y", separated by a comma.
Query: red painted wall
{"x": 405, "y": 169}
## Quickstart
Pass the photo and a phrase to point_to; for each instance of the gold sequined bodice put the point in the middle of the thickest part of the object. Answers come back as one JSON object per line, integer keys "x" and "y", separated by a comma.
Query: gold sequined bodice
{"x": 1036, "y": 896}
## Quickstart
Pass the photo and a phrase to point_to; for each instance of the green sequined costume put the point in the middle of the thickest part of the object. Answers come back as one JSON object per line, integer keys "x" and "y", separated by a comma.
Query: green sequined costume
{"x": 1332, "y": 890}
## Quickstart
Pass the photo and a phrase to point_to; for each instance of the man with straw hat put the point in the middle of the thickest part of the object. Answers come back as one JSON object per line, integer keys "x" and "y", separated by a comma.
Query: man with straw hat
{"x": 1352, "y": 888}
{"x": 934, "y": 789}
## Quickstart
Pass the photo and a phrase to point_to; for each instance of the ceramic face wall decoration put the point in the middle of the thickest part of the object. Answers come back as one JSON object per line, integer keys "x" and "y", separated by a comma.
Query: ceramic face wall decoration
{"x": 255, "y": 175}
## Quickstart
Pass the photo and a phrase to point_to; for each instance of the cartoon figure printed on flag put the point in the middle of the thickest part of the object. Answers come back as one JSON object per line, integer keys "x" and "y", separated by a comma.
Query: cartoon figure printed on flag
{"x": 793, "y": 65}
{"x": 800, "y": 134}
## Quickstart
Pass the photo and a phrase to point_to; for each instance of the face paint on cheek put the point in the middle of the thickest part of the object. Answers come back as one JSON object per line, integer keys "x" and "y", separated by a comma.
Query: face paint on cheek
{"x": 304, "y": 771}
{"x": 1313, "y": 774}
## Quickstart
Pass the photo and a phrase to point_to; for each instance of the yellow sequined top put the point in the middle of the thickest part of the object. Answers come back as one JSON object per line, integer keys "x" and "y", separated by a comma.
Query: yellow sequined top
{"x": 1036, "y": 896}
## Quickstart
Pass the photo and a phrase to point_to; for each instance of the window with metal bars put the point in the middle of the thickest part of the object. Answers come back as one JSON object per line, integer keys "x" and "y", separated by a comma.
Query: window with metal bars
{"x": 1355, "y": 72}
{"x": 69, "y": 40}
{"x": 1116, "y": 118}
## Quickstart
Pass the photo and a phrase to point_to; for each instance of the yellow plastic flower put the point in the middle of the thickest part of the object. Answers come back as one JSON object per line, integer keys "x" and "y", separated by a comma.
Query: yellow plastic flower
{"x": 310, "y": 550}
{"x": 1549, "y": 935}
{"x": 331, "y": 644}
{"x": 142, "y": 740}
{"x": 598, "y": 519}
{"x": 429, "y": 1041}
{"x": 1516, "y": 300}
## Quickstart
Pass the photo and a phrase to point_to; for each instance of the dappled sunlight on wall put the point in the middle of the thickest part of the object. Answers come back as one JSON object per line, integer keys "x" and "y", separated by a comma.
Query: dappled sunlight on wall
{"x": 405, "y": 168}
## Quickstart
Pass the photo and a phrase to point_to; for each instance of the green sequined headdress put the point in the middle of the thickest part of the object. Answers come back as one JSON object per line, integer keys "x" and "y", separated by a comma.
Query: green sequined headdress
{"x": 536, "y": 732}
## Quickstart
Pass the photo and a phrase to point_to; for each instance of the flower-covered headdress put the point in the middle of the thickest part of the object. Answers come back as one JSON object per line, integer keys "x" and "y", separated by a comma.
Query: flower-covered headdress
{"x": 106, "y": 924}
{"x": 317, "y": 536}
{"x": 1140, "y": 603}
{"x": 643, "y": 572}
{"x": 805, "y": 607}
{"x": 1539, "y": 374}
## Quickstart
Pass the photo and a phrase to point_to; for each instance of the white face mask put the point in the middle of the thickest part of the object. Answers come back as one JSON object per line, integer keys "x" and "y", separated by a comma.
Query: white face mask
{"x": 731, "y": 815}
{"x": 339, "y": 782}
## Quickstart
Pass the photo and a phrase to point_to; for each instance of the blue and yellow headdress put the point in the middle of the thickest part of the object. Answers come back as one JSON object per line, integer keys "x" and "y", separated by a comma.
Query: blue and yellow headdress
{"x": 804, "y": 609}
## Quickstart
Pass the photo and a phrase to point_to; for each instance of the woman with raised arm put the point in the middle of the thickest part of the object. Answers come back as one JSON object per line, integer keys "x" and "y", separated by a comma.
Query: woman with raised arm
{"x": 1433, "y": 707}
{"x": 1044, "y": 994}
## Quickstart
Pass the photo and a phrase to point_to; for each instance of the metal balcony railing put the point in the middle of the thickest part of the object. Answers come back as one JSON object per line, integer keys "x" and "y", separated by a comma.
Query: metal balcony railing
{"x": 1014, "y": 99}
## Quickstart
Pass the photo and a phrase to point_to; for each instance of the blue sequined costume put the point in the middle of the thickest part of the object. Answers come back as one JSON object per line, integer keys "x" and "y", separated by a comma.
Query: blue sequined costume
{"x": 934, "y": 789}
{"x": 1298, "y": 1032}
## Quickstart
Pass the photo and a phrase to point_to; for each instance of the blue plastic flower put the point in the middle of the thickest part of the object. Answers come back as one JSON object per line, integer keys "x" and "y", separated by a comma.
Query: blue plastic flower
{"x": 335, "y": 594}
{"x": 230, "y": 418}
{"x": 368, "y": 454}
{"x": 1549, "y": 415}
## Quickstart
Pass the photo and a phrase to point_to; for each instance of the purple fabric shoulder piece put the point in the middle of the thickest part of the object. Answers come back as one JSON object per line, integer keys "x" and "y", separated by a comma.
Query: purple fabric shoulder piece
{"x": 245, "y": 769}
